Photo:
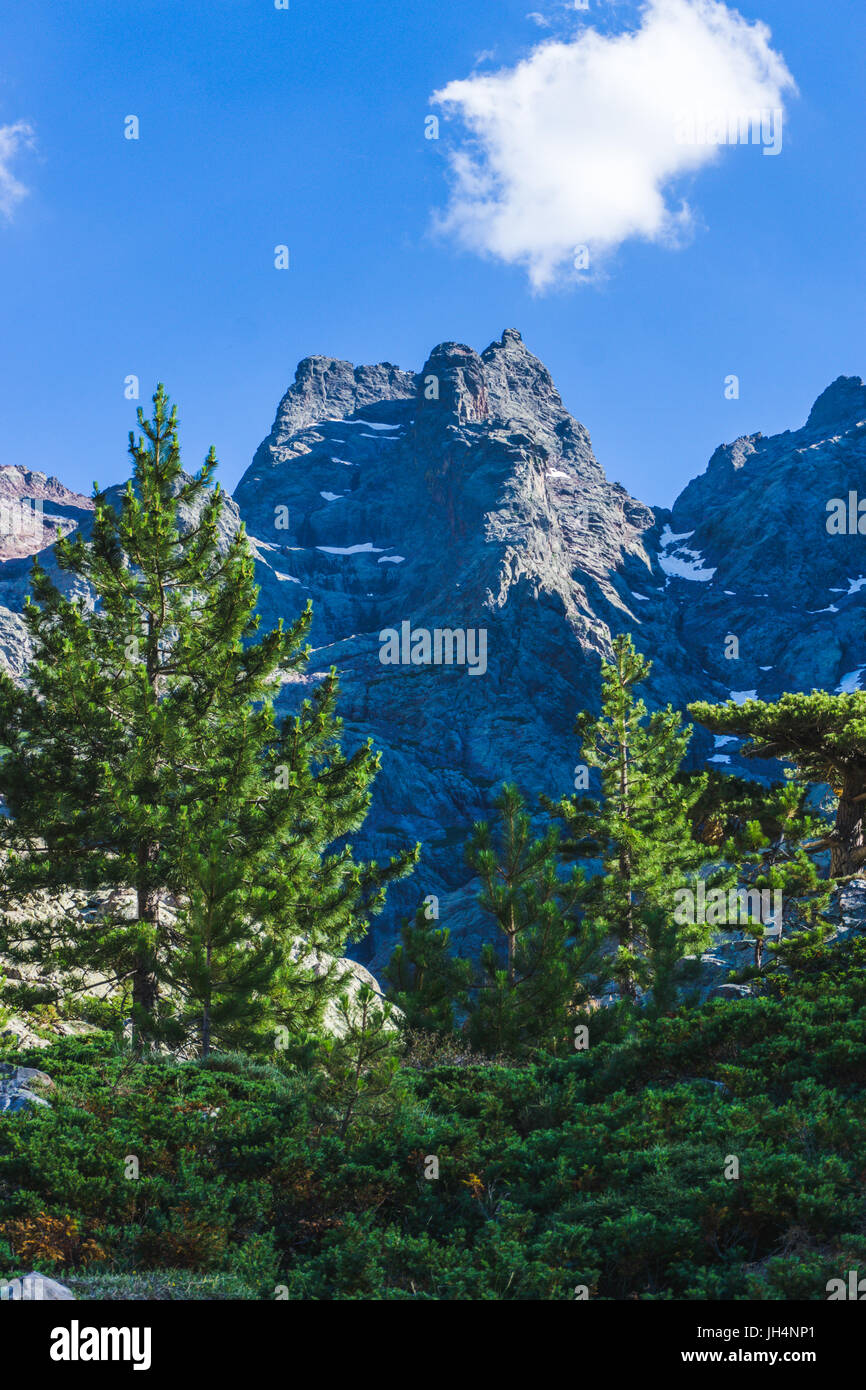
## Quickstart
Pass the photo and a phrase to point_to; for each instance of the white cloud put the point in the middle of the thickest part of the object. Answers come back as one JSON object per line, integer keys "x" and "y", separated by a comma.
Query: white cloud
{"x": 581, "y": 143}
{"x": 13, "y": 139}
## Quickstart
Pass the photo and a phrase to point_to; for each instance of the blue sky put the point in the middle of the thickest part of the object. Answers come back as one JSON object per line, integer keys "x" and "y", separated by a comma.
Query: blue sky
{"x": 260, "y": 127}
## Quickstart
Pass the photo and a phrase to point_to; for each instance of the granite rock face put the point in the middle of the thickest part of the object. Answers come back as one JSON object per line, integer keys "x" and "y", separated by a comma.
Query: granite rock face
{"x": 770, "y": 595}
{"x": 32, "y": 508}
{"x": 465, "y": 500}
{"x": 74, "y": 905}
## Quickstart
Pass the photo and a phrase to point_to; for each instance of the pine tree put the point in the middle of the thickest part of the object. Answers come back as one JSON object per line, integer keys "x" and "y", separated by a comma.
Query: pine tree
{"x": 765, "y": 831}
{"x": 824, "y": 738}
{"x": 360, "y": 1065}
{"x": 528, "y": 1000}
{"x": 428, "y": 982}
{"x": 145, "y": 755}
{"x": 640, "y": 828}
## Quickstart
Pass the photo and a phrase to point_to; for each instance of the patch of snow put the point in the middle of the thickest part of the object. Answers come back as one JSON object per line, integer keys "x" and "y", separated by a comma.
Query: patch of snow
{"x": 347, "y": 462}
{"x": 689, "y": 564}
{"x": 289, "y": 578}
{"x": 730, "y": 593}
{"x": 851, "y": 682}
{"x": 719, "y": 740}
{"x": 363, "y": 424}
{"x": 644, "y": 598}
{"x": 683, "y": 562}
{"x": 831, "y": 609}
{"x": 366, "y": 549}
{"x": 765, "y": 668}
{"x": 719, "y": 758}
{"x": 668, "y": 537}
{"x": 392, "y": 559}
{"x": 557, "y": 473}
{"x": 741, "y": 696}
{"x": 855, "y": 585}
{"x": 331, "y": 496}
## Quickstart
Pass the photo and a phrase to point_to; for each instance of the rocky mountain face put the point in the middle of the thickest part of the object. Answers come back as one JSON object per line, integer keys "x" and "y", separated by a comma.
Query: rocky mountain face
{"x": 464, "y": 499}
{"x": 469, "y": 563}
{"x": 766, "y": 559}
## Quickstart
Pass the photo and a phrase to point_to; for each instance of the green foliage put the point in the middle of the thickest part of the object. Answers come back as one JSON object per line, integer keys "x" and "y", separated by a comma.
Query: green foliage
{"x": 427, "y": 981}
{"x": 528, "y": 999}
{"x": 824, "y": 738}
{"x": 360, "y": 1065}
{"x": 604, "y": 1168}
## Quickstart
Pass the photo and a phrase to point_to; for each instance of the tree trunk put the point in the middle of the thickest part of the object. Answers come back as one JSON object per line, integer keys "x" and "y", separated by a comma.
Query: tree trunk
{"x": 629, "y": 982}
{"x": 849, "y": 836}
{"x": 145, "y": 984}
{"x": 205, "y": 1020}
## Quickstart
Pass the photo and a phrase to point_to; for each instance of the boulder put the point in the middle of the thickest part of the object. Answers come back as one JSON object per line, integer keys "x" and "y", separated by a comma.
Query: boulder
{"x": 16, "y": 1088}
{"x": 731, "y": 992}
{"x": 36, "y": 1288}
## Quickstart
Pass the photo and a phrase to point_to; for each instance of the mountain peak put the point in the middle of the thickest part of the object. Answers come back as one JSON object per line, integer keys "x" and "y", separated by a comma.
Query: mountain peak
{"x": 509, "y": 335}
{"x": 519, "y": 385}
{"x": 843, "y": 403}
{"x": 461, "y": 389}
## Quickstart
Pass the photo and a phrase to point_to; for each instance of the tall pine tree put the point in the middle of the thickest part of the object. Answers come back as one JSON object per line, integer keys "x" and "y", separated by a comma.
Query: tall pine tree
{"x": 145, "y": 754}
{"x": 640, "y": 828}
{"x": 533, "y": 974}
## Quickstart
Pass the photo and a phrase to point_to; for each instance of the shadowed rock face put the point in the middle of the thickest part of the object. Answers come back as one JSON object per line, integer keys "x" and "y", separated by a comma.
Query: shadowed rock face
{"x": 466, "y": 498}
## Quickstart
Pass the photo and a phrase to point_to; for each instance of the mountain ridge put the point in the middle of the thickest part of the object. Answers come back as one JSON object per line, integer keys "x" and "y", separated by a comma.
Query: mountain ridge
{"x": 465, "y": 498}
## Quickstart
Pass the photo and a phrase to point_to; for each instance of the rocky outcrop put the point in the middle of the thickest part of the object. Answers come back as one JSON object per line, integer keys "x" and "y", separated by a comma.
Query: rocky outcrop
{"x": 20, "y": 1088}
{"x": 33, "y": 507}
{"x": 15, "y": 572}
